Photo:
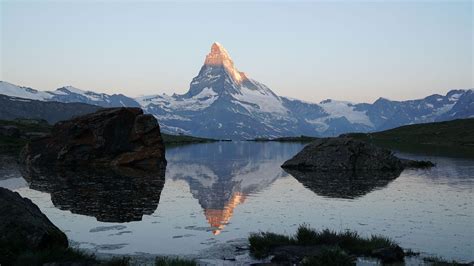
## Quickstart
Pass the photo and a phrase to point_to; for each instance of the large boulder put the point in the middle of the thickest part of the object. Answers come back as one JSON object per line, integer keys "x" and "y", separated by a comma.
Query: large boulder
{"x": 23, "y": 227}
{"x": 347, "y": 154}
{"x": 108, "y": 137}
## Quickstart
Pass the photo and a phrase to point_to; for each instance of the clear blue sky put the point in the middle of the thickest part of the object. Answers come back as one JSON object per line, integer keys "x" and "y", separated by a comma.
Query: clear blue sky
{"x": 345, "y": 50}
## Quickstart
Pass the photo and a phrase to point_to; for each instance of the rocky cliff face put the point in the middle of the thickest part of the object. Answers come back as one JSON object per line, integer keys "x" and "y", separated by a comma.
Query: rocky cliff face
{"x": 108, "y": 137}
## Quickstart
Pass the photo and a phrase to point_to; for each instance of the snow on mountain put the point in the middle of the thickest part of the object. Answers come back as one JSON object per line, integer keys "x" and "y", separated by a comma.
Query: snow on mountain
{"x": 22, "y": 92}
{"x": 200, "y": 101}
{"x": 223, "y": 102}
{"x": 345, "y": 109}
{"x": 261, "y": 99}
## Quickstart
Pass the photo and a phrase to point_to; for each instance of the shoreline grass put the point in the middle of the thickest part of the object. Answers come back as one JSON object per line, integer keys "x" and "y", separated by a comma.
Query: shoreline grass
{"x": 262, "y": 244}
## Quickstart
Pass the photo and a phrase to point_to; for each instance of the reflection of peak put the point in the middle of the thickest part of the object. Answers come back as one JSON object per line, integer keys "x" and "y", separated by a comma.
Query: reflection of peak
{"x": 218, "y": 218}
{"x": 220, "y": 57}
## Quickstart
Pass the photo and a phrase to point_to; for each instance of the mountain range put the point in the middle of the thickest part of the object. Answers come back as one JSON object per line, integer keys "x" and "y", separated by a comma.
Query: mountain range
{"x": 223, "y": 102}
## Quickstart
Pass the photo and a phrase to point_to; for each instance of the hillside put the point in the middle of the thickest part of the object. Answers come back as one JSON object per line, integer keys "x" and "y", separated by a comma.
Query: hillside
{"x": 453, "y": 137}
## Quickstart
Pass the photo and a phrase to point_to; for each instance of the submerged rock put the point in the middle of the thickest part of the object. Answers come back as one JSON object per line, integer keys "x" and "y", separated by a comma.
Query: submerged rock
{"x": 115, "y": 136}
{"x": 24, "y": 227}
{"x": 347, "y": 154}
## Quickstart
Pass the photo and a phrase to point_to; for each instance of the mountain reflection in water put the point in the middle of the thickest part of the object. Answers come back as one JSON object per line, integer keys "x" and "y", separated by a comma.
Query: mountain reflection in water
{"x": 109, "y": 194}
{"x": 222, "y": 175}
{"x": 345, "y": 185}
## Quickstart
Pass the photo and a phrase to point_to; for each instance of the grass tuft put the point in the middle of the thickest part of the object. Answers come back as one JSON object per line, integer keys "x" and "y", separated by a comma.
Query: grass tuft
{"x": 56, "y": 255}
{"x": 438, "y": 261}
{"x": 262, "y": 243}
{"x": 174, "y": 261}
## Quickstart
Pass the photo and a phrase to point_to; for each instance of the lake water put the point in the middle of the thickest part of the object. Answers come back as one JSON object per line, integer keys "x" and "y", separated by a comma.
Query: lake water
{"x": 218, "y": 192}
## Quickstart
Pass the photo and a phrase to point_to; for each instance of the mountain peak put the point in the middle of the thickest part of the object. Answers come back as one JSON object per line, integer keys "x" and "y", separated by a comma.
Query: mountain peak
{"x": 220, "y": 57}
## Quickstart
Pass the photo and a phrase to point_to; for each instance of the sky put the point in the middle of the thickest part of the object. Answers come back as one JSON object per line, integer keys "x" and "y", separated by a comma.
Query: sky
{"x": 311, "y": 50}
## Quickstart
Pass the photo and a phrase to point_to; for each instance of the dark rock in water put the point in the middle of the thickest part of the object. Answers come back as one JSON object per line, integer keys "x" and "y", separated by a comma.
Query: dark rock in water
{"x": 389, "y": 254}
{"x": 119, "y": 194}
{"x": 417, "y": 164}
{"x": 23, "y": 226}
{"x": 116, "y": 136}
{"x": 345, "y": 154}
{"x": 343, "y": 184}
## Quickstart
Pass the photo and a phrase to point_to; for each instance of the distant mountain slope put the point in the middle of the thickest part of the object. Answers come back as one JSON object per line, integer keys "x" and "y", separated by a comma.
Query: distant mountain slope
{"x": 225, "y": 103}
{"x": 459, "y": 132}
{"x": 14, "y": 107}
{"x": 453, "y": 138}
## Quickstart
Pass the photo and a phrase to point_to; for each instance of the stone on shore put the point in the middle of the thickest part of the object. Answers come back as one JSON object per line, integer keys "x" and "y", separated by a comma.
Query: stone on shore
{"x": 24, "y": 227}
{"x": 347, "y": 154}
{"x": 108, "y": 137}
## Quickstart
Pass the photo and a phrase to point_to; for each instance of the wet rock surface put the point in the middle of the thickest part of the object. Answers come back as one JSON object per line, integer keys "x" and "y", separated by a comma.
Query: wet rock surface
{"x": 110, "y": 137}
{"x": 347, "y": 154}
{"x": 23, "y": 226}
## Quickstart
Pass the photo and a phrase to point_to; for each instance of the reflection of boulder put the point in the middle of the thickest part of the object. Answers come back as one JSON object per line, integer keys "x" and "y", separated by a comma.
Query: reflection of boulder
{"x": 115, "y": 136}
{"x": 343, "y": 184}
{"x": 109, "y": 194}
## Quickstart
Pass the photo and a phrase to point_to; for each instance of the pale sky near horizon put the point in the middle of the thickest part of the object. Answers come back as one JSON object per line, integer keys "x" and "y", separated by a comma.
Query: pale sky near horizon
{"x": 312, "y": 50}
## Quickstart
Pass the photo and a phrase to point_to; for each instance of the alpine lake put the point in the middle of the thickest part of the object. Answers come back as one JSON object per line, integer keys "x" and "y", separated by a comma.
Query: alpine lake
{"x": 213, "y": 195}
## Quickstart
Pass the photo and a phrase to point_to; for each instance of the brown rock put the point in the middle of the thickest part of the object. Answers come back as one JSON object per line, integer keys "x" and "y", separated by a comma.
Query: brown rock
{"x": 347, "y": 154}
{"x": 108, "y": 137}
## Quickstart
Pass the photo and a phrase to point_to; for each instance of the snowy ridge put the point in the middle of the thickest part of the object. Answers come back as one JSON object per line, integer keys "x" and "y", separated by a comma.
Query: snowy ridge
{"x": 23, "y": 92}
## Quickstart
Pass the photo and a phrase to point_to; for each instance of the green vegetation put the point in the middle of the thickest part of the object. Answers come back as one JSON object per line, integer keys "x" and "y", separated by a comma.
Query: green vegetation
{"x": 174, "y": 261}
{"x": 301, "y": 138}
{"x": 261, "y": 244}
{"x": 175, "y": 140}
{"x": 27, "y": 128}
{"x": 59, "y": 255}
{"x": 454, "y": 137}
{"x": 437, "y": 261}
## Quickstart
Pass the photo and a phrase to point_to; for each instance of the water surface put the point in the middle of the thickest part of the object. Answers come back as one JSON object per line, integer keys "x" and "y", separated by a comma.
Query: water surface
{"x": 217, "y": 192}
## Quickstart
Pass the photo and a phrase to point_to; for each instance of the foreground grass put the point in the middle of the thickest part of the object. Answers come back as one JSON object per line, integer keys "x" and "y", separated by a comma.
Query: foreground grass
{"x": 61, "y": 256}
{"x": 168, "y": 261}
{"x": 437, "y": 261}
{"x": 262, "y": 243}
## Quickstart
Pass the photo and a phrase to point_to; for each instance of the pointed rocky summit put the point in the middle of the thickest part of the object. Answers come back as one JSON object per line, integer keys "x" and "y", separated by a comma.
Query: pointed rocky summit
{"x": 220, "y": 57}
